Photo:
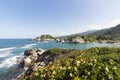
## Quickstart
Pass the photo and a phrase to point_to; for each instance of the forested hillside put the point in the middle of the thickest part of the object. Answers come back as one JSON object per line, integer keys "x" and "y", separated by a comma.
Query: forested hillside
{"x": 112, "y": 33}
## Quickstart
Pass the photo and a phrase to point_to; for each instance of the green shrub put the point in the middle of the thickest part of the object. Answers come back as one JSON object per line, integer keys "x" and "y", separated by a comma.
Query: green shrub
{"x": 90, "y": 64}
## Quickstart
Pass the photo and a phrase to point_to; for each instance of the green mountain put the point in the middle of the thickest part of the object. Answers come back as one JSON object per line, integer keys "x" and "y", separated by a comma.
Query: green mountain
{"x": 86, "y": 32}
{"x": 44, "y": 37}
{"x": 112, "y": 33}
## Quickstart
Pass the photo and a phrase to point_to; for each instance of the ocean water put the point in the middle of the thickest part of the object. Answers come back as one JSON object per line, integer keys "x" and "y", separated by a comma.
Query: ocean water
{"x": 11, "y": 49}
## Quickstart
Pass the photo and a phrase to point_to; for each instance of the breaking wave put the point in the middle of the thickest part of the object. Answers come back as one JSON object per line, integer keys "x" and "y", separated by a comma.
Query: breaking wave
{"x": 29, "y": 45}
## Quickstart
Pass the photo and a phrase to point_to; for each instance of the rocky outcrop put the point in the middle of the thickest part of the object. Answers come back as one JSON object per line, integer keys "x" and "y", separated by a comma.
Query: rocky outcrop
{"x": 34, "y": 59}
{"x": 78, "y": 40}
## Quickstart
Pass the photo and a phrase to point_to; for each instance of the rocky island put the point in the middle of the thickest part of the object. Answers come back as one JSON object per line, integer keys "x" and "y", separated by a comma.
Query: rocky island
{"x": 44, "y": 38}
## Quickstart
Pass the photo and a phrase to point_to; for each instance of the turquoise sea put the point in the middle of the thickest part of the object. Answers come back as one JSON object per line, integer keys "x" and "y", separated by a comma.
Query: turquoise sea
{"x": 11, "y": 49}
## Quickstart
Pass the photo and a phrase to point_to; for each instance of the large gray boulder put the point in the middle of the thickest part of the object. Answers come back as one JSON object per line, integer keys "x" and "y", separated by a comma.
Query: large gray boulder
{"x": 29, "y": 52}
{"x": 78, "y": 40}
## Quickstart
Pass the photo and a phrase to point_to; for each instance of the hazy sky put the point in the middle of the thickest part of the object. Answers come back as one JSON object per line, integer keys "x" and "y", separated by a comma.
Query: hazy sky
{"x": 30, "y": 18}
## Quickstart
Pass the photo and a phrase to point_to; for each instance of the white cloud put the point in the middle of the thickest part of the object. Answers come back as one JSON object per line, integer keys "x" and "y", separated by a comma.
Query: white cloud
{"x": 94, "y": 27}
{"x": 115, "y": 22}
{"x": 88, "y": 27}
{"x": 108, "y": 25}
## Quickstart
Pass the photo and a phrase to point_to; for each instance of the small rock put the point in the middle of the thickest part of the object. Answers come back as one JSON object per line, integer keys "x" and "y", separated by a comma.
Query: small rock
{"x": 27, "y": 62}
{"x": 42, "y": 63}
{"x": 40, "y": 51}
{"x": 35, "y": 67}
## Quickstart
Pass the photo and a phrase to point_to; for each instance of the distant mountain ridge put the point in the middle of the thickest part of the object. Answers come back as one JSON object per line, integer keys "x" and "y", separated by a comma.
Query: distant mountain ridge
{"x": 112, "y": 33}
{"x": 87, "y": 32}
{"x": 109, "y": 31}
{"x": 80, "y": 34}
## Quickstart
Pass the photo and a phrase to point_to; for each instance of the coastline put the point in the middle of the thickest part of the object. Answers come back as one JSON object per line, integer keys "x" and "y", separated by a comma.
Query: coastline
{"x": 13, "y": 75}
{"x": 62, "y": 55}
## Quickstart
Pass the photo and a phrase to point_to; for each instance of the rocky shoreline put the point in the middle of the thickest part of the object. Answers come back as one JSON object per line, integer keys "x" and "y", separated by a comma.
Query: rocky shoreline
{"x": 37, "y": 59}
{"x": 33, "y": 59}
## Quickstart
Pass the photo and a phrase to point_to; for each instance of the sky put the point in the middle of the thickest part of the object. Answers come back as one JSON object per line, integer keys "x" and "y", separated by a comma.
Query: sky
{"x": 31, "y": 18}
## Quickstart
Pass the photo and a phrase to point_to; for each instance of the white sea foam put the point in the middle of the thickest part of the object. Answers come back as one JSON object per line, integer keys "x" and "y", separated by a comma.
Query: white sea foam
{"x": 5, "y": 53}
{"x": 9, "y": 62}
{"x": 21, "y": 53}
{"x": 6, "y": 49}
{"x": 29, "y": 45}
{"x": 43, "y": 42}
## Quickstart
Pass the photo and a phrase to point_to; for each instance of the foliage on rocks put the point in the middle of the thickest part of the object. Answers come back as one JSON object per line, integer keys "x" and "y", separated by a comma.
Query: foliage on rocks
{"x": 89, "y": 64}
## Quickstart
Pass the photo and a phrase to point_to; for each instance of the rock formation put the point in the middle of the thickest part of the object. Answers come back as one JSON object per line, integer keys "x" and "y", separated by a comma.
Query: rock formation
{"x": 34, "y": 59}
{"x": 30, "y": 62}
{"x": 77, "y": 40}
